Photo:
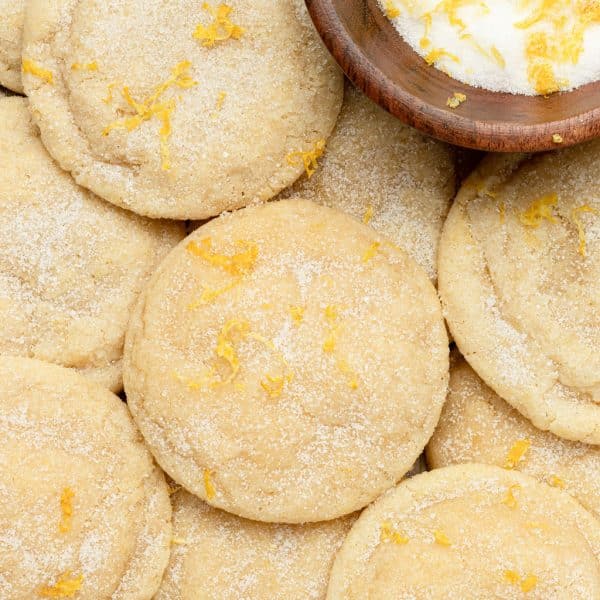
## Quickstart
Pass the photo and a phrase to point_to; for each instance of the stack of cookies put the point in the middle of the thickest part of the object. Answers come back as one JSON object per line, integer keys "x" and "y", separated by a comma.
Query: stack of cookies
{"x": 198, "y": 214}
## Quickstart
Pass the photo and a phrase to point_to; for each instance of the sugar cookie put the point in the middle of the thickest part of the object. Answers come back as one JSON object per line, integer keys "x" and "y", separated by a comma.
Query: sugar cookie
{"x": 387, "y": 175}
{"x": 84, "y": 511}
{"x": 470, "y": 532}
{"x": 71, "y": 266}
{"x": 478, "y": 426}
{"x": 192, "y": 108}
{"x": 11, "y": 32}
{"x": 519, "y": 275}
{"x": 287, "y": 364}
{"x": 218, "y": 555}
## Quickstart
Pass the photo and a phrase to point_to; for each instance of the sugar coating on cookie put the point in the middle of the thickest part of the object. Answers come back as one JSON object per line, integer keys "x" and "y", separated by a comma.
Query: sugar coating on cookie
{"x": 11, "y": 33}
{"x": 519, "y": 276}
{"x": 84, "y": 511}
{"x": 71, "y": 265}
{"x": 218, "y": 555}
{"x": 287, "y": 363}
{"x": 191, "y": 109}
{"x": 387, "y": 175}
{"x": 478, "y": 426}
{"x": 470, "y": 532}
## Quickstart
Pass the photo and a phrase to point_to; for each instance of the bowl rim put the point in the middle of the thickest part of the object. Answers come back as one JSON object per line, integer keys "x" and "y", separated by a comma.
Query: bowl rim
{"x": 451, "y": 127}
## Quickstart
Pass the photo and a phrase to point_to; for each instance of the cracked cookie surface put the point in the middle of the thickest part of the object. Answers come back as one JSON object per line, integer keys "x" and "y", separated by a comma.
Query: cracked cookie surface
{"x": 470, "y": 532}
{"x": 71, "y": 265}
{"x": 519, "y": 277}
{"x": 192, "y": 109}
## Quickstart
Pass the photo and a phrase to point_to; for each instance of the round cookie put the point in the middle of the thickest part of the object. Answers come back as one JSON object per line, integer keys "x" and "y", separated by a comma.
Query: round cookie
{"x": 218, "y": 555}
{"x": 84, "y": 511}
{"x": 286, "y": 364}
{"x": 519, "y": 276}
{"x": 470, "y": 532}
{"x": 478, "y": 426}
{"x": 387, "y": 175}
{"x": 71, "y": 265}
{"x": 192, "y": 109}
{"x": 11, "y": 33}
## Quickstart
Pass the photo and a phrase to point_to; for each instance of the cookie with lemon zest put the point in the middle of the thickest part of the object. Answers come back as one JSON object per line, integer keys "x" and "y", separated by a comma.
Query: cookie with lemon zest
{"x": 313, "y": 409}
{"x": 478, "y": 426}
{"x": 490, "y": 556}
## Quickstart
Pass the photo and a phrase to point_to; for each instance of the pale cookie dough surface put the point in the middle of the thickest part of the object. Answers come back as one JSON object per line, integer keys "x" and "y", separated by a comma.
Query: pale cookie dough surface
{"x": 478, "y": 426}
{"x": 258, "y": 99}
{"x": 452, "y": 533}
{"x": 83, "y": 507}
{"x": 11, "y": 33}
{"x": 217, "y": 555}
{"x": 71, "y": 265}
{"x": 519, "y": 276}
{"x": 385, "y": 174}
{"x": 299, "y": 389}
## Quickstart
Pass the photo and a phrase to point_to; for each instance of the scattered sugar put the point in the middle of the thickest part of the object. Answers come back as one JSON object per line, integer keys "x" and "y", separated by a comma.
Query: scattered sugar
{"x": 535, "y": 47}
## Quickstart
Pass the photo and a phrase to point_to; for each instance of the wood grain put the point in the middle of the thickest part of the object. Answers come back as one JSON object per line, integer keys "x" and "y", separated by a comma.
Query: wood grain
{"x": 378, "y": 61}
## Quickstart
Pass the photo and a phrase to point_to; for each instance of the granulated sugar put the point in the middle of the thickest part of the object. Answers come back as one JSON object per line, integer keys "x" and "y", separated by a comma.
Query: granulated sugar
{"x": 519, "y": 46}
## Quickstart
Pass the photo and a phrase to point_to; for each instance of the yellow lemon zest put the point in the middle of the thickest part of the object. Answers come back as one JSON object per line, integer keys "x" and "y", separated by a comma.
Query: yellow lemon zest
{"x": 557, "y": 138}
{"x": 441, "y": 538}
{"x": 434, "y": 55}
{"x": 539, "y": 210}
{"x": 456, "y": 100}
{"x": 510, "y": 499}
{"x": 31, "y": 67}
{"x": 391, "y": 10}
{"x": 65, "y": 587}
{"x": 344, "y": 367}
{"x": 66, "y": 506}
{"x": 297, "y": 314}
{"x": 221, "y": 100}
{"x": 209, "y": 378}
{"x": 274, "y": 386}
{"x": 389, "y": 534}
{"x": 516, "y": 453}
{"x": 150, "y": 107}
{"x": 221, "y": 28}
{"x": 585, "y": 208}
{"x": 557, "y": 482}
{"x": 309, "y": 158}
{"x": 368, "y": 214}
{"x": 331, "y": 314}
{"x": 237, "y": 264}
{"x": 371, "y": 252}
{"x": 529, "y": 583}
{"x": 110, "y": 88}
{"x": 209, "y": 487}
{"x": 209, "y": 294}
{"x": 512, "y": 577}
{"x": 93, "y": 66}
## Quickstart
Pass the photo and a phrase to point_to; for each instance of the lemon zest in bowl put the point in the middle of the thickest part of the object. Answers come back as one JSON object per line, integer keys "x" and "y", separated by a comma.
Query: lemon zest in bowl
{"x": 221, "y": 29}
{"x": 441, "y": 538}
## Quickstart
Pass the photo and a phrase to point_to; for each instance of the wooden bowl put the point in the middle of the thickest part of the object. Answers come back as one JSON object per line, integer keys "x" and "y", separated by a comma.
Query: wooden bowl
{"x": 378, "y": 61}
